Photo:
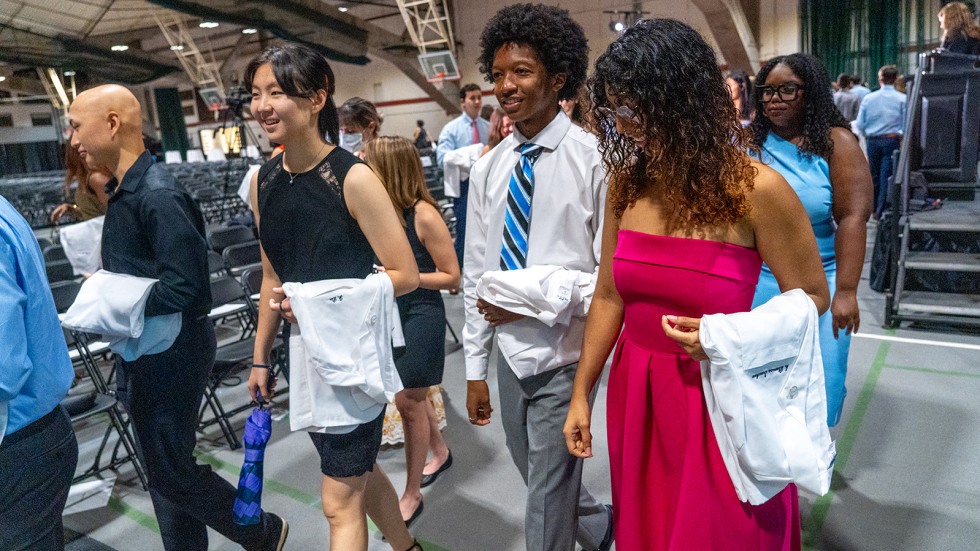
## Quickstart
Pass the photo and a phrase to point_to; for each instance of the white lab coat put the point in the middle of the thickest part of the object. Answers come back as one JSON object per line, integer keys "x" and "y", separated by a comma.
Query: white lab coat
{"x": 456, "y": 166}
{"x": 764, "y": 389}
{"x": 112, "y": 305}
{"x": 82, "y": 243}
{"x": 549, "y": 296}
{"x": 341, "y": 363}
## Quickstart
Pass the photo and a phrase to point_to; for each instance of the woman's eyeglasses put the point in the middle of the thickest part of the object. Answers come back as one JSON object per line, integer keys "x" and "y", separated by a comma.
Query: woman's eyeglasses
{"x": 622, "y": 113}
{"x": 786, "y": 92}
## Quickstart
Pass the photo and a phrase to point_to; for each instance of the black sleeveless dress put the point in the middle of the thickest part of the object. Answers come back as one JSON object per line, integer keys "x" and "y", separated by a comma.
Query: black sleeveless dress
{"x": 423, "y": 317}
{"x": 308, "y": 235}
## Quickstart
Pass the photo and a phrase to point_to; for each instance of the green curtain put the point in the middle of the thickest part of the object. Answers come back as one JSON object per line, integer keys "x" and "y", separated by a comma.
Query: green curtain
{"x": 859, "y": 36}
{"x": 173, "y": 131}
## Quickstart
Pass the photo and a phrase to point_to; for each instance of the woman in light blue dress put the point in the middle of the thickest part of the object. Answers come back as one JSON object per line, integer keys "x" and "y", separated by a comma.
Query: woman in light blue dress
{"x": 804, "y": 137}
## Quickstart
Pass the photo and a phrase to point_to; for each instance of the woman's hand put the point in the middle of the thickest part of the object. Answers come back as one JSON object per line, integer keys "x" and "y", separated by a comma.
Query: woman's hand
{"x": 60, "y": 211}
{"x": 283, "y": 307}
{"x": 845, "y": 311}
{"x": 262, "y": 383}
{"x": 578, "y": 433}
{"x": 687, "y": 333}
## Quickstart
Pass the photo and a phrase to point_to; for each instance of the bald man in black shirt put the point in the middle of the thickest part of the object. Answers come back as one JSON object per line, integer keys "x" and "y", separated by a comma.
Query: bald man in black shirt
{"x": 153, "y": 229}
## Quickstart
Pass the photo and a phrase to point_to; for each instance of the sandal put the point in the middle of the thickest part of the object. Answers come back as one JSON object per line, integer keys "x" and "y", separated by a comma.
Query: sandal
{"x": 416, "y": 546}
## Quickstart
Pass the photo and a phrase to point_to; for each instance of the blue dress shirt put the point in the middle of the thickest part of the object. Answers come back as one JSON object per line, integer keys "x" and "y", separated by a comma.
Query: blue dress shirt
{"x": 35, "y": 370}
{"x": 459, "y": 133}
{"x": 882, "y": 112}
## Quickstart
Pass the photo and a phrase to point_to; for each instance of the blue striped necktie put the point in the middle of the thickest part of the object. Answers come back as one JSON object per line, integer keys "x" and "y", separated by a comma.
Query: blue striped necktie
{"x": 517, "y": 221}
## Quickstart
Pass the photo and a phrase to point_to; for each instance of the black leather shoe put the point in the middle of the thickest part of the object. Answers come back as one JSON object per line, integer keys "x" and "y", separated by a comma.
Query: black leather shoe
{"x": 415, "y": 515}
{"x": 276, "y": 532}
{"x": 430, "y": 478}
{"x": 607, "y": 540}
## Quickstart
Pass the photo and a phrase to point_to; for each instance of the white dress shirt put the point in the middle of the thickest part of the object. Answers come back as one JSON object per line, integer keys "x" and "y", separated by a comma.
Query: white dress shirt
{"x": 764, "y": 390}
{"x": 565, "y": 231}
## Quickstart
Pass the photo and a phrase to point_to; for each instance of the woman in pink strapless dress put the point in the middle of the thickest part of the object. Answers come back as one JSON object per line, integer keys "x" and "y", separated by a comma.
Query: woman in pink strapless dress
{"x": 673, "y": 252}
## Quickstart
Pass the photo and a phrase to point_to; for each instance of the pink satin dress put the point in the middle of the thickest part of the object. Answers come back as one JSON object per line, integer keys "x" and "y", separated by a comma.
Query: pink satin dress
{"x": 670, "y": 488}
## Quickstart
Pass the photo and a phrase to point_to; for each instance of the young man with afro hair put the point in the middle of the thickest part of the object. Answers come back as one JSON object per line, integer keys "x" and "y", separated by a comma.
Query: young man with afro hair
{"x": 535, "y": 206}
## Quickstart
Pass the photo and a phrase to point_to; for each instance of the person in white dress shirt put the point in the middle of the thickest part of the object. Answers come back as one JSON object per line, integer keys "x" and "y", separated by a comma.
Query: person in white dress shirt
{"x": 535, "y": 55}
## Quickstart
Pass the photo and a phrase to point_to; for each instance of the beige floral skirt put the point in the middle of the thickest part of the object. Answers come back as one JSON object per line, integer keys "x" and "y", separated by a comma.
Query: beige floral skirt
{"x": 392, "y": 433}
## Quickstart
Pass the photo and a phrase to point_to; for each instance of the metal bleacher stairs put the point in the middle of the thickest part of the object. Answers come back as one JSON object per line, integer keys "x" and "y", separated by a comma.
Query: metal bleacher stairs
{"x": 939, "y": 246}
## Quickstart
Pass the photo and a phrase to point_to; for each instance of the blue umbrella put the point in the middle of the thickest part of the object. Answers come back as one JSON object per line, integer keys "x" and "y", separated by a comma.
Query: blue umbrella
{"x": 248, "y": 499}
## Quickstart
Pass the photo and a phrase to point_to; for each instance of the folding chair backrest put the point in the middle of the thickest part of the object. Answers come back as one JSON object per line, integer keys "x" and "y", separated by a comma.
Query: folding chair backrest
{"x": 59, "y": 270}
{"x": 252, "y": 280}
{"x": 54, "y": 252}
{"x": 237, "y": 256}
{"x": 216, "y": 264}
{"x": 64, "y": 293}
{"x": 221, "y": 238}
{"x": 225, "y": 290}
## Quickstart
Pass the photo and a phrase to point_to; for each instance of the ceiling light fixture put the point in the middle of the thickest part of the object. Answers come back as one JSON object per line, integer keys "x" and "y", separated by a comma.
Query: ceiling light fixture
{"x": 176, "y": 47}
{"x": 343, "y": 9}
{"x": 619, "y": 20}
{"x": 249, "y": 31}
{"x": 2, "y": 78}
{"x": 120, "y": 48}
{"x": 208, "y": 24}
{"x": 69, "y": 73}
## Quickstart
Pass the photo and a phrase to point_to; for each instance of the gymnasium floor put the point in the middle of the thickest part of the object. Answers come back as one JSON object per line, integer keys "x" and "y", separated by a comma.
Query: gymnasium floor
{"x": 907, "y": 472}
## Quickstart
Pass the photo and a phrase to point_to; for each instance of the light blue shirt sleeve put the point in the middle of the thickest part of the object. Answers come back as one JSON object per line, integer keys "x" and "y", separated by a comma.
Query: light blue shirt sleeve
{"x": 459, "y": 133}
{"x": 15, "y": 366}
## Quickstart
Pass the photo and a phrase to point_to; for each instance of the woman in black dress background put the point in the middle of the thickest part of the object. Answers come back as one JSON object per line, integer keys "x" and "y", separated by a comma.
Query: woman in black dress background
{"x": 423, "y": 314}
{"x": 323, "y": 214}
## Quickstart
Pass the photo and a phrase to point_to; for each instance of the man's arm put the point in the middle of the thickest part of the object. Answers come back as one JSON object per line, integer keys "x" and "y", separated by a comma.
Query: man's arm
{"x": 446, "y": 141}
{"x": 15, "y": 366}
{"x": 477, "y": 333}
{"x": 181, "y": 253}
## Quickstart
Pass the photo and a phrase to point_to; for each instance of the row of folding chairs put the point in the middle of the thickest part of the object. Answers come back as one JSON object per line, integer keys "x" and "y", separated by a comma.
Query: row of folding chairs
{"x": 85, "y": 402}
{"x": 235, "y": 298}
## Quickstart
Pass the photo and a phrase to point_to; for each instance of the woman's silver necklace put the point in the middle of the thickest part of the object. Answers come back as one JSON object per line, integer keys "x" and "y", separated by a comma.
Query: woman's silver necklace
{"x": 293, "y": 176}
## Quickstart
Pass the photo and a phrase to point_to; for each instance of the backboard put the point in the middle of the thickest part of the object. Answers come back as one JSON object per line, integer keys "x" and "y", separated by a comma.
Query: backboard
{"x": 439, "y": 66}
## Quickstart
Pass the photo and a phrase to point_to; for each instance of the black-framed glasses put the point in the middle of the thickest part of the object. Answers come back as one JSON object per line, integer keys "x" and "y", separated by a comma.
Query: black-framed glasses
{"x": 786, "y": 92}
{"x": 622, "y": 112}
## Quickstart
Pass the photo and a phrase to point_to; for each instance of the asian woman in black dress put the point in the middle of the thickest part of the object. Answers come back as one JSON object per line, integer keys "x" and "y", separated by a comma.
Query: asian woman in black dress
{"x": 323, "y": 214}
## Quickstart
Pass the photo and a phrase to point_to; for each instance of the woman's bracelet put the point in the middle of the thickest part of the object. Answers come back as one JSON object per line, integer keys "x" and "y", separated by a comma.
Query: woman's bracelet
{"x": 263, "y": 366}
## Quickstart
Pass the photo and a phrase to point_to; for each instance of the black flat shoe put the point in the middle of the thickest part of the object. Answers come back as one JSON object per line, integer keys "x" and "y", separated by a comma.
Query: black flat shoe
{"x": 415, "y": 515}
{"x": 428, "y": 479}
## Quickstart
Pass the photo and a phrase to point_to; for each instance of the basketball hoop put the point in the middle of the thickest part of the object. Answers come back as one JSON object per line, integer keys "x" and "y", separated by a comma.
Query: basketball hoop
{"x": 439, "y": 66}
{"x": 215, "y": 107}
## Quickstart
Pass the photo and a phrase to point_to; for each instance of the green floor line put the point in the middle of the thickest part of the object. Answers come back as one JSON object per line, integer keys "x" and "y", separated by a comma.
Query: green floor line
{"x": 141, "y": 518}
{"x": 818, "y": 515}
{"x": 932, "y": 371}
{"x": 295, "y": 494}
{"x": 288, "y": 491}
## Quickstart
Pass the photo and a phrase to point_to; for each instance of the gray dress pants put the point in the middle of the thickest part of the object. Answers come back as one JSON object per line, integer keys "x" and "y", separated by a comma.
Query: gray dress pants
{"x": 559, "y": 510}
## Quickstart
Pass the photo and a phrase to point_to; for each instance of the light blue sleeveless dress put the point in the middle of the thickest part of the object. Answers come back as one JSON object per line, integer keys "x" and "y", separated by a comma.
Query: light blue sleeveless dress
{"x": 810, "y": 178}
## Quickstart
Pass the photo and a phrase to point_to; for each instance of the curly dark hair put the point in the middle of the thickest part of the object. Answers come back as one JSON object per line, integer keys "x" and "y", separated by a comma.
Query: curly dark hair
{"x": 695, "y": 147}
{"x": 820, "y": 112}
{"x": 559, "y": 42}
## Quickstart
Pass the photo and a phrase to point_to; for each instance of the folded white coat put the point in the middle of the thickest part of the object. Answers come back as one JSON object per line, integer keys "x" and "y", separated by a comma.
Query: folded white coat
{"x": 82, "y": 243}
{"x": 341, "y": 363}
{"x": 764, "y": 388}
{"x": 549, "y": 296}
{"x": 112, "y": 305}
{"x": 456, "y": 166}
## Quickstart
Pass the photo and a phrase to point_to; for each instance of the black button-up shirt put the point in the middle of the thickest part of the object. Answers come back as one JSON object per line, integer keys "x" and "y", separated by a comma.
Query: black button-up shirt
{"x": 154, "y": 229}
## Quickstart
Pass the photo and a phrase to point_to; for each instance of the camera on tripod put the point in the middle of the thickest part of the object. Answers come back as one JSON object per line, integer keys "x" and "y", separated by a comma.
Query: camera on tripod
{"x": 236, "y": 98}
